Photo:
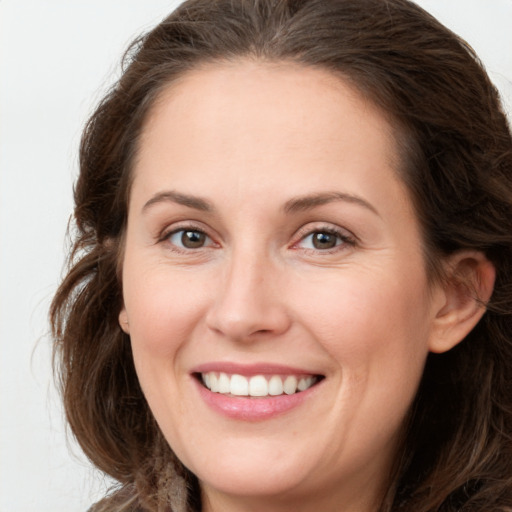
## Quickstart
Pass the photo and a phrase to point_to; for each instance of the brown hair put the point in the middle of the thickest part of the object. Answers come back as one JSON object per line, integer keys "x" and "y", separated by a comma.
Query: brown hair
{"x": 457, "y": 449}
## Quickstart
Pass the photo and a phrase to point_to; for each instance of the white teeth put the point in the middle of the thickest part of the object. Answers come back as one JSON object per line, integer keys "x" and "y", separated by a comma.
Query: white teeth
{"x": 239, "y": 385}
{"x": 257, "y": 385}
{"x": 275, "y": 386}
{"x": 290, "y": 385}
{"x": 224, "y": 383}
{"x": 305, "y": 383}
{"x": 214, "y": 383}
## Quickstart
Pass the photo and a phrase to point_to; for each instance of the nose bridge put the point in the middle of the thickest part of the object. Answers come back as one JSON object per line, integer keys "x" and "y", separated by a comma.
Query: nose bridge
{"x": 247, "y": 301}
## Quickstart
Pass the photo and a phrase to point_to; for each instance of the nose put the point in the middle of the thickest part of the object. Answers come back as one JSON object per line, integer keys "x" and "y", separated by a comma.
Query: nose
{"x": 248, "y": 303}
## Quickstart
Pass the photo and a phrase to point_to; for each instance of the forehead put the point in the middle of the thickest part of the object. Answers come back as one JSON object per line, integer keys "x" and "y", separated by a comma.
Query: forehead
{"x": 273, "y": 119}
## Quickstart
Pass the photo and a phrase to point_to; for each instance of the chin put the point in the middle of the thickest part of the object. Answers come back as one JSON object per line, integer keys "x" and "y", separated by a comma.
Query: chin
{"x": 257, "y": 473}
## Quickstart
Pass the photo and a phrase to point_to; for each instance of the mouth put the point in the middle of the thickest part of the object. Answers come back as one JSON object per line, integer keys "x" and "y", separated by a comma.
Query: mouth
{"x": 254, "y": 392}
{"x": 256, "y": 386}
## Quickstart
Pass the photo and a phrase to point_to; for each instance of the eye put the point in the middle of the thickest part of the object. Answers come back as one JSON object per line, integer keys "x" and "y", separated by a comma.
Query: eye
{"x": 189, "y": 239}
{"x": 324, "y": 240}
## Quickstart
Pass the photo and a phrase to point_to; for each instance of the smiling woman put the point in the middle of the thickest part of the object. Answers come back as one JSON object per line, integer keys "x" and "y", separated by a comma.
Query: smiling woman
{"x": 306, "y": 267}
{"x": 291, "y": 278}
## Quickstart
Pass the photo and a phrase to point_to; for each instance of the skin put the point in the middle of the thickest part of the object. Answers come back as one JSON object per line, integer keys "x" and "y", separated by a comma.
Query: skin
{"x": 250, "y": 138}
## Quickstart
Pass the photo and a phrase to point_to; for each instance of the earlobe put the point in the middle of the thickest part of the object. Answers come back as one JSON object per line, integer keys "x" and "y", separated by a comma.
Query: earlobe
{"x": 123, "y": 321}
{"x": 467, "y": 287}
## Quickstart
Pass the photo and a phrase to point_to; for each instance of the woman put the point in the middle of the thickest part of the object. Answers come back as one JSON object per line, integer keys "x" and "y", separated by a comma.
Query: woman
{"x": 291, "y": 280}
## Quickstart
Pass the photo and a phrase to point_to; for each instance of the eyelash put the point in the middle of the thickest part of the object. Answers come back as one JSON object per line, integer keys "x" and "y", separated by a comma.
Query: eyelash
{"x": 166, "y": 237}
{"x": 342, "y": 239}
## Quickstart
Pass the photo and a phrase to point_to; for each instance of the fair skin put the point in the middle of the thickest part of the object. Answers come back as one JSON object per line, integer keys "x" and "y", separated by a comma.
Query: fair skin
{"x": 269, "y": 235}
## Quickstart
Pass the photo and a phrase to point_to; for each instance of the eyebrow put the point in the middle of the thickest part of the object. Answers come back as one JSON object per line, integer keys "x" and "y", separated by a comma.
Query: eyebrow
{"x": 197, "y": 203}
{"x": 294, "y": 205}
{"x": 312, "y": 201}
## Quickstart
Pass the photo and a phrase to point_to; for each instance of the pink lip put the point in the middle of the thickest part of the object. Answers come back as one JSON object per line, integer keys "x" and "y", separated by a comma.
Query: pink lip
{"x": 249, "y": 370}
{"x": 252, "y": 409}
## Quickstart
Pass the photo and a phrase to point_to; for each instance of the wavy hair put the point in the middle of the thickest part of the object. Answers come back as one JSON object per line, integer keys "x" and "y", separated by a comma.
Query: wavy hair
{"x": 456, "y": 451}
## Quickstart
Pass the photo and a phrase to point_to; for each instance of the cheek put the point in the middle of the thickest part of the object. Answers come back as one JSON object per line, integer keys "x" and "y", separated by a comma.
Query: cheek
{"x": 163, "y": 309}
{"x": 373, "y": 327}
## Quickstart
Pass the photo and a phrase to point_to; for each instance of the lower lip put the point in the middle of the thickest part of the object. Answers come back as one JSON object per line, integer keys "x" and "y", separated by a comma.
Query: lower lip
{"x": 253, "y": 409}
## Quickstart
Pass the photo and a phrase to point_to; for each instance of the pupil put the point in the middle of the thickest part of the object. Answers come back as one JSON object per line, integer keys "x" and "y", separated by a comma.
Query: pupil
{"x": 192, "y": 239}
{"x": 324, "y": 241}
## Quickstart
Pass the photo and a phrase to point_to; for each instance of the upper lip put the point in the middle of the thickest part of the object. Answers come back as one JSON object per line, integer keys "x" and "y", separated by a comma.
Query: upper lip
{"x": 249, "y": 370}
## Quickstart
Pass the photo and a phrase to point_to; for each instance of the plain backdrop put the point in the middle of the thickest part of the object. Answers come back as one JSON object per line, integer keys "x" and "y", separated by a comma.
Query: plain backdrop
{"x": 57, "y": 57}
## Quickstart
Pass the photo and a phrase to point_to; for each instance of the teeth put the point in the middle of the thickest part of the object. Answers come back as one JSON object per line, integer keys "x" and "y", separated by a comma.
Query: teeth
{"x": 239, "y": 385}
{"x": 290, "y": 385}
{"x": 305, "y": 383}
{"x": 258, "y": 385}
{"x": 224, "y": 383}
{"x": 275, "y": 386}
{"x": 214, "y": 383}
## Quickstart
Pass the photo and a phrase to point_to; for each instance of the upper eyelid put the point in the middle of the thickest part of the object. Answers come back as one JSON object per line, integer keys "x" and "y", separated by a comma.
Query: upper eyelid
{"x": 309, "y": 229}
{"x": 183, "y": 226}
{"x": 343, "y": 241}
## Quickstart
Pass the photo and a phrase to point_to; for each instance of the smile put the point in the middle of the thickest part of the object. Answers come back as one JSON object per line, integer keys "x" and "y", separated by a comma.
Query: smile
{"x": 257, "y": 385}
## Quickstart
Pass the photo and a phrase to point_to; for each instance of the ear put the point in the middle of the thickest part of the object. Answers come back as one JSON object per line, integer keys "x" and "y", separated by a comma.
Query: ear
{"x": 123, "y": 321}
{"x": 465, "y": 290}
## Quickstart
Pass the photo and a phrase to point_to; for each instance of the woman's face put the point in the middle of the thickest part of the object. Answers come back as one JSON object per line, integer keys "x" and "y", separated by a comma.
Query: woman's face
{"x": 273, "y": 253}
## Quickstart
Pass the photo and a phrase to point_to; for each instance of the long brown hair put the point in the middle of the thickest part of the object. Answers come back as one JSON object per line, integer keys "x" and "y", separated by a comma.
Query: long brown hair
{"x": 457, "y": 164}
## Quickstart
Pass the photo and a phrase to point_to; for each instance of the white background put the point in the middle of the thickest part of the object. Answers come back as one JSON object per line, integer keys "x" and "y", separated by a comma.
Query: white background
{"x": 56, "y": 59}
